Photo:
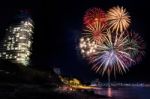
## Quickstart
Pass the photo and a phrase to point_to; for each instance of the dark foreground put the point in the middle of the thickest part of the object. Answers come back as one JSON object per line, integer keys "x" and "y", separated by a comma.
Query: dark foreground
{"x": 46, "y": 91}
{"x": 32, "y": 91}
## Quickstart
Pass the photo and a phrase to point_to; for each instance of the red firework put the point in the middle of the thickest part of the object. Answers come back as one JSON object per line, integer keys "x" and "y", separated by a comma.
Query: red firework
{"x": 94, "y": 14}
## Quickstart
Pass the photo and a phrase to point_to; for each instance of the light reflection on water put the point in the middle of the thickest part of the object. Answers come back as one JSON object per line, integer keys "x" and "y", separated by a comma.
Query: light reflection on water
{"x": 109, "y": 92}
{"x": 125, "y": 92}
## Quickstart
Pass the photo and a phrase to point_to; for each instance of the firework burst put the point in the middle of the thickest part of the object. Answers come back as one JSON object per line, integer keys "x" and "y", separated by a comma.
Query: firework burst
{"x": 106, "y": 44}
{"x": 94, "y": 14}
{"x": 137, "y": 43}
{"x": 113, "y": 54}
{"x": 95, "y": 32}
{"x": 118, "y": 19}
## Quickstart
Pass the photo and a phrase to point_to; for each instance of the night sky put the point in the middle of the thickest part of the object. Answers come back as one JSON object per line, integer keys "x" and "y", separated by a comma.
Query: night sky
{"x": 58, "y": 26}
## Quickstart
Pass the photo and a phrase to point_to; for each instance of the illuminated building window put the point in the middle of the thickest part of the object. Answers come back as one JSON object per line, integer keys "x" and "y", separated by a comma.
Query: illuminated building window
{"x": 9, "y": 38}
{"x": 10, "y": 57}
{"x": 22, "y": 37}
{"x": 4, "y": 53}
{"x": 6, "y": 56}
{"x": 8, "y": 48}
{"x": 17, "y": 35}
{"x": 15, "y": 56}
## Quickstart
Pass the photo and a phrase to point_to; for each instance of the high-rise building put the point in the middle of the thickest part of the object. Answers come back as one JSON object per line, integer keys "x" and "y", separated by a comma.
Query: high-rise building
{"x": 16, "y": 46}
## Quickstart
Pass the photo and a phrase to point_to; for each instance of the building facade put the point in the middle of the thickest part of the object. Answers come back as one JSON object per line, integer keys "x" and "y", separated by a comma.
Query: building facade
{"x": 16, "y": 46}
